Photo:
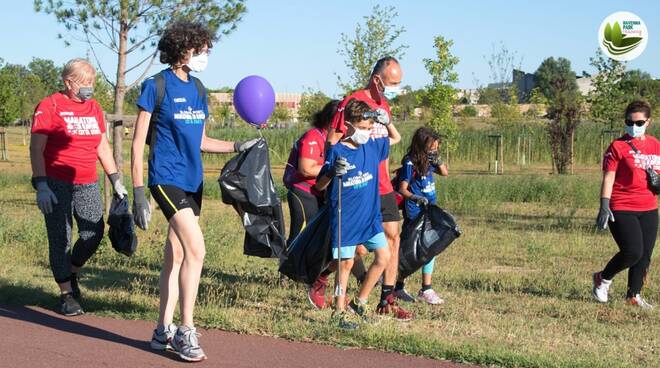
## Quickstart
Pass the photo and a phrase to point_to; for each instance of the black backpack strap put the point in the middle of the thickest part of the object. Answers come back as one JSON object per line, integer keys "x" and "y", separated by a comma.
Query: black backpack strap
{"x": 160, "y": 95}
{"x": 201, "y": 90}
{"x": 630, "y": 143}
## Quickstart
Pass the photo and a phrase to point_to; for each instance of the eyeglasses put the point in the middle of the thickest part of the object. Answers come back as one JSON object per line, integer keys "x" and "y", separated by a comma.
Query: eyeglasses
{"x": 639, "y": 123}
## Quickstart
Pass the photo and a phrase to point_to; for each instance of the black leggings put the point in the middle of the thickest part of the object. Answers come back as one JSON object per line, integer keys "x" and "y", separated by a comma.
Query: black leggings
{"x": 634, "y": 233}
{"x": 302, "y": 208}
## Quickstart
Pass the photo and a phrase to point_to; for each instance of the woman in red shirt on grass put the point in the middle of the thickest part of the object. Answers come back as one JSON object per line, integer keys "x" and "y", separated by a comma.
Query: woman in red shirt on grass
{"x": 628, "y": 205}
{"x": 68, "y": 137}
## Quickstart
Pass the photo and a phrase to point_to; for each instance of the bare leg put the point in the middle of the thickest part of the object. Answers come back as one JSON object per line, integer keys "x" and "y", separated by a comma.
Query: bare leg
{"x": 342, "y": 280}
{"x": 382, "y": 258}
{"x": 186, "y": 227}
{"x": 169, "y": 278}
{"x": 392, "y": 235}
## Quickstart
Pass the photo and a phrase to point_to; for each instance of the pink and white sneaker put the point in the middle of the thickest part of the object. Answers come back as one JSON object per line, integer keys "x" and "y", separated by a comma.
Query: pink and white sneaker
{"x": 430, "y": 296}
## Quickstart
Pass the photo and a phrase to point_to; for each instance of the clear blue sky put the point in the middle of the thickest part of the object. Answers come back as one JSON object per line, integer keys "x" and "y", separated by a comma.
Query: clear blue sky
{"x": 294, "y": 43}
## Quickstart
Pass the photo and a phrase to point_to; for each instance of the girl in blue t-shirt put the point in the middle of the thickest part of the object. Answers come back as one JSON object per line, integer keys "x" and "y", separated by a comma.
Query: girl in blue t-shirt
{"x": 177, "y": 101}
{"x": 417, "y": 186}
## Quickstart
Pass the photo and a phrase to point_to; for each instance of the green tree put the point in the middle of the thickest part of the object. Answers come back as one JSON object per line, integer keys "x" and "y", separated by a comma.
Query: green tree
{"x": 281, "y": 115}
{"x": 104, "y": 93}
{"x": 49, "y": 74}
{"x": 20, "y": 91}
{"x": 607, "y": 99}
{"x": 637, "y": 84}
{"x": 310, "y": 103}
{"x": 557, "y": 82}
{"x": 375, "y": 38}
{"x": 127, "y": 27}
{"x": 440, "y": 93}
{"x": 404, "y": 105}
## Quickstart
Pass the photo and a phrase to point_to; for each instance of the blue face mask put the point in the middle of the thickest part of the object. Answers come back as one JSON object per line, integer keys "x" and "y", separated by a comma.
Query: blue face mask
{"x": 391, "y": 92}
{"x": 636, "y": 131}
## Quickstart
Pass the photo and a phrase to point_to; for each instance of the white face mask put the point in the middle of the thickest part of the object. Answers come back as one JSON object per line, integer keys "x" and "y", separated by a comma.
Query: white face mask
{"x": 360, "y": 136}
{"x": 198, "y": 63}
{"x": 636, "y": 131}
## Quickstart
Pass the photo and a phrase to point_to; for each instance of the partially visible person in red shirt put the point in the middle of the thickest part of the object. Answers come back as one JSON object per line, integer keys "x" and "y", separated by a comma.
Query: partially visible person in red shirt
{"x": 384, "y": 84}
{"x": 628, "y": 205}
{"x": 68, "y": 137}
{"x": 305, "y": 161}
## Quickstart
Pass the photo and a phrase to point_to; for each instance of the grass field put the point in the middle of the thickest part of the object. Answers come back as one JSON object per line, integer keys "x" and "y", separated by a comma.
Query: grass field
{"x": 517, "y": 283}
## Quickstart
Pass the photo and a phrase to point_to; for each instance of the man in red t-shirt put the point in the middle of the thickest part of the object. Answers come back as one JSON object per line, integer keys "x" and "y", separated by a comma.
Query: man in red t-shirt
{"x": 384, "y": 84}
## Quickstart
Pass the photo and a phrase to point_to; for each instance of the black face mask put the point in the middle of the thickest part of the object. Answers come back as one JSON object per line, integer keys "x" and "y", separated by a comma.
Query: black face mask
{"x": 433, "y": 156}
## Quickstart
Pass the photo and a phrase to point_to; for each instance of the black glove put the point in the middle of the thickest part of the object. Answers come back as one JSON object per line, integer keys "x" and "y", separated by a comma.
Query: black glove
{"x": 604, "y": 214}
{"x": 435, "y": 160}
{"x": 339, "y": 168}
{"x": 421, "y": 201}
{"x": 141, "y": 208}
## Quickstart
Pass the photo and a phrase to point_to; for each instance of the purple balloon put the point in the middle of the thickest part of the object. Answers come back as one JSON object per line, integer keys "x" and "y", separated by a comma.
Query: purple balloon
{"x": 254, "y": 99}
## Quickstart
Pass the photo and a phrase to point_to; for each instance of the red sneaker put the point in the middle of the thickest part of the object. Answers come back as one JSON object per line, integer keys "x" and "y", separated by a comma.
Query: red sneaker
{"x": 316, "y": 293}
{"x": 390, "y": 308}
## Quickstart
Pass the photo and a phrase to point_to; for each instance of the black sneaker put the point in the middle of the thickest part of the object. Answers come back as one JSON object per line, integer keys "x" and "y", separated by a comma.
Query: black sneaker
{"x": 75, "y": 289}
{"x": 69, "y": 305}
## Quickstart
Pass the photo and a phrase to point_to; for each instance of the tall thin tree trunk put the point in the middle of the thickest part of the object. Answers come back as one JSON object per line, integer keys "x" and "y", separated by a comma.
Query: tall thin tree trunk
{"x": 120, "y": 85}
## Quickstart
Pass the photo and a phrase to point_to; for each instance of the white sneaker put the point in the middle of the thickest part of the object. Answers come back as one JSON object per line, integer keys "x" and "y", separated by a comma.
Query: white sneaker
{"x": 639, "y": 302}
{"x": 162, "y": 337}
{"x": 185, "y": 343}
{"x": 600, "y": 288}
{"x": 403, "y": 295}
{"x": 430, "y": 296}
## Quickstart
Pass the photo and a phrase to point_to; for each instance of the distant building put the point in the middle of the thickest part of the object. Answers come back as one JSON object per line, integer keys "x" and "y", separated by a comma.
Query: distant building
{"x": 467, "y": 96}
{"x": 290, "y": 101}
{"x": 525, "y": 83}
{"x": 585, "y": 84}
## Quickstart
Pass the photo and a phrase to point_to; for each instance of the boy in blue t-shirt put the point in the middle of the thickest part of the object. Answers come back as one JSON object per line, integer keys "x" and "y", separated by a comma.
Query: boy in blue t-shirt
{"x": 355, "y": 160}
{"x": 419, "y": 190}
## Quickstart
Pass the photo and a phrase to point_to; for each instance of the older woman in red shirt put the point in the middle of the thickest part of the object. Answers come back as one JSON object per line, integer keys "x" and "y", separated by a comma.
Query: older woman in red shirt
{"x": 68, "y": 137}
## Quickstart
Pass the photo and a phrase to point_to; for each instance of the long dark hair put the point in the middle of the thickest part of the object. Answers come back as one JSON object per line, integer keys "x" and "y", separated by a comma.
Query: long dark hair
{"x": 322, "y": 118}
{"x": 417, "y": 153}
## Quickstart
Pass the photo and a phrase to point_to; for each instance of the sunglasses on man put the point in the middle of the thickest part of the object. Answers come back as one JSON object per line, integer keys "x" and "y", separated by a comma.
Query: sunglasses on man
{"x": 639, "y": 123}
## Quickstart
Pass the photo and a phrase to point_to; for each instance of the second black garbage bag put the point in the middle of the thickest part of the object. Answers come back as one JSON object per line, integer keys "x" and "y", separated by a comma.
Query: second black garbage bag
{"x": 424, "y": 238}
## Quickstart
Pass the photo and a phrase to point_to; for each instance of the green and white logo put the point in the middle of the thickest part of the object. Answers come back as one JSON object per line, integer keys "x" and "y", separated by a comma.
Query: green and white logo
{"x": 623, "y": 36}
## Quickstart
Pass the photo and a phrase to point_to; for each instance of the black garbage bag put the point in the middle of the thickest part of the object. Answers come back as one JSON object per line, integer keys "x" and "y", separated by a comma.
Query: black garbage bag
{"x": 247, "y": 185}
{"x": 122, "y": 229}
{"x": 424, "y": 238}
{"x": 310, "y": 252}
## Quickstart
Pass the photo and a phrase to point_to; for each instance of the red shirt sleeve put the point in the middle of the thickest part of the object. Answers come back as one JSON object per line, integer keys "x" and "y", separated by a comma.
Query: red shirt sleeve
{"x": 100, "y": 117}
{"x": 338, "y": 120}
{"x": 311, "y": 146}
{"x": 611, "y": 158}
{"x": 41, "y": 120}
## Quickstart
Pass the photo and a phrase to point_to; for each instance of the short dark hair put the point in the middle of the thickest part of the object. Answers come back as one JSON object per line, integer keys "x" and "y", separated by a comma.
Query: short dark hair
{"x": 181, "y": 36}
{"x": 354, "y": 110}
{"x": 638, "y": 106}
{"x": 382, "y": 63}
{"x": 322, "y": 118}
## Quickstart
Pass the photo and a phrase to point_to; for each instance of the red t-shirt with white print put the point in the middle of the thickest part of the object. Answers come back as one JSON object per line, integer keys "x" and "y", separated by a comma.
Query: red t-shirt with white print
{"x": 74, "y": 132}
{"x": 377, "y": 131}
{"x": 631, "y": 191}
